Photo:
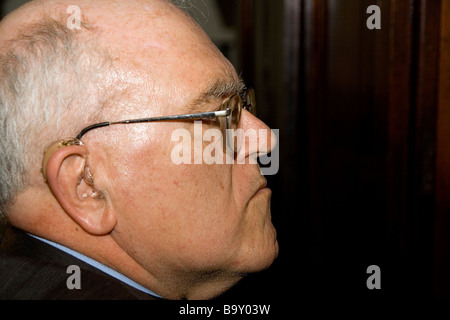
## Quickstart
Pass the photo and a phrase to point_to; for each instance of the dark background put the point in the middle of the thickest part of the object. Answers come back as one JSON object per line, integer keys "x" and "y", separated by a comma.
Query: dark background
{"x": 364, "y": 135}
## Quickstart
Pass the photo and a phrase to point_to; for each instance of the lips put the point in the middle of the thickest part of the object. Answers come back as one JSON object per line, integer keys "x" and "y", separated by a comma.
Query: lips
{"x": 262, "y": 186}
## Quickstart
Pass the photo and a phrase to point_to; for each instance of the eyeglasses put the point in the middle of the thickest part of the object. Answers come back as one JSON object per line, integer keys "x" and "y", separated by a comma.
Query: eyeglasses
{"x": 229, "y": 115}
{"x": 230, "y": 111}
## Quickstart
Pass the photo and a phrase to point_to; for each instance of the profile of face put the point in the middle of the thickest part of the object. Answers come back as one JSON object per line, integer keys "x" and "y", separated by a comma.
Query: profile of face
{"x": 194, "y": 218}
{"x": 185, "y": 224}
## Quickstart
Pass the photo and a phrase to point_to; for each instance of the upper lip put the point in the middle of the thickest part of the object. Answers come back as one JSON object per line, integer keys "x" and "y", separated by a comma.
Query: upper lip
{"x": 262, "y": 185}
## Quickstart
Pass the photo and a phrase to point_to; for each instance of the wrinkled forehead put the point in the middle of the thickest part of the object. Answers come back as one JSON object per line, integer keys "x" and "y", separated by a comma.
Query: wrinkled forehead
{"x": 163, "y": 45}
{"x": 167, "y": 46}
{"x": 156, "y": 45}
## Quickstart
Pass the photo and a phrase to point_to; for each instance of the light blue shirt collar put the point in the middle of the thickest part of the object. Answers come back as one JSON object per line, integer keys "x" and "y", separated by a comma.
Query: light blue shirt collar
{"x": 113, "y": 273}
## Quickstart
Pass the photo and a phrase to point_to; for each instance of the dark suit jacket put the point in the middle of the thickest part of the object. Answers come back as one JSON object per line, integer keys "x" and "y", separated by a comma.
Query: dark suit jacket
{"x": 32, "y": 269}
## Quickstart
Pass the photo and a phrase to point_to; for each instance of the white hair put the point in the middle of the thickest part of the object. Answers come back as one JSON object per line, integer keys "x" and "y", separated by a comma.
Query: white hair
{"x": 49, "y": 89}
{"x": 52, "y": 86}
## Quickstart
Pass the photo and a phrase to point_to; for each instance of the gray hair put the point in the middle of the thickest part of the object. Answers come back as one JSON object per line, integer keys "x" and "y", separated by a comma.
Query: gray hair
{"x": 52, "y": 85}
{"x": 49, "y": 89}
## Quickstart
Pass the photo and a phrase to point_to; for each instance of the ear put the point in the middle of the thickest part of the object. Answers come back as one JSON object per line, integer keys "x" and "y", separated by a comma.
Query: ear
{"x": 72, "y": 184}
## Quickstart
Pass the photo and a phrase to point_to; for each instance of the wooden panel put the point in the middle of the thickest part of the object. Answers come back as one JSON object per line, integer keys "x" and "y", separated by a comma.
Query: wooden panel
{"x": 421, "y": 201}
{"x": 442, "y": 220}
{"x": 400, "y": 65}
{"x": 370, "y": 99}
{"x": 313, "y": 95}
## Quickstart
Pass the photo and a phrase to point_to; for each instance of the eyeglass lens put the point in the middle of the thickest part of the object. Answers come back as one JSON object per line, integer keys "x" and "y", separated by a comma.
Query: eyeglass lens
{"x": 236, "y": 103}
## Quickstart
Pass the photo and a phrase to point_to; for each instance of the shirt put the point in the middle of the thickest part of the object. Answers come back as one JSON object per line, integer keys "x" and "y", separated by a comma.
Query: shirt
{"x": 113, "y": 273}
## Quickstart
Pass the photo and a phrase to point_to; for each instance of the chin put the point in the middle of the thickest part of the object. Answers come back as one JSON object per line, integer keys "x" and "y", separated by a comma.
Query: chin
{"x": 260, "y": 257}
{"x": 271, "y": 256}
{"x": 259, "y": 247}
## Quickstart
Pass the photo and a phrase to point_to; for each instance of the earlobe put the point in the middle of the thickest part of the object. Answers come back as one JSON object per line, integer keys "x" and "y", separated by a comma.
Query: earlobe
{"x": 72, "y": 183}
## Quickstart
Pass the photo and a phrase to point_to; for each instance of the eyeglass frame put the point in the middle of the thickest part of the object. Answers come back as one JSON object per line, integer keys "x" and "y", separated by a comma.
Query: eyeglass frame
{"x": 223, "y": 111}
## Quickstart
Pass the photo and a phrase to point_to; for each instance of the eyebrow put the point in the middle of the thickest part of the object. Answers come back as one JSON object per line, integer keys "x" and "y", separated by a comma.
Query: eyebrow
{"x": 218, "y": 89}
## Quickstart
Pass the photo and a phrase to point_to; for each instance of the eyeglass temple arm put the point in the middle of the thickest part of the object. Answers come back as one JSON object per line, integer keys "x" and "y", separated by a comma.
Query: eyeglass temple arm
{"x": 193, "y": 116}
{"x": 91, "y": 127}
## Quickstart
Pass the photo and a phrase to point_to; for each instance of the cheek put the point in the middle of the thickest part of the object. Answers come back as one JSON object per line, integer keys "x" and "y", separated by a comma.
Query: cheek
{"x": 191, "y": 197}
{"x": 201, "y": 196}
{"x": 189, "y": 209}
{"x": 188, "y": 222}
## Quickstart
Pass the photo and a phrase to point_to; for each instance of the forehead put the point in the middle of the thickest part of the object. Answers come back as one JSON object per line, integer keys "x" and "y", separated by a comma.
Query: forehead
{"x": 157, "y": 48}
{"x": 177, "y": 59}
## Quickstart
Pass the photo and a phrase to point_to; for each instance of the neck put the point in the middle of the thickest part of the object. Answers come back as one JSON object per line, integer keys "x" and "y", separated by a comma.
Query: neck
{"x": 197, "y": 287}
{"x": 158, "y": 277}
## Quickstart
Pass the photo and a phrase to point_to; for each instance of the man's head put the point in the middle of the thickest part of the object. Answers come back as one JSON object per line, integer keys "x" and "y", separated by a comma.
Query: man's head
{"x": 182, "y": 230}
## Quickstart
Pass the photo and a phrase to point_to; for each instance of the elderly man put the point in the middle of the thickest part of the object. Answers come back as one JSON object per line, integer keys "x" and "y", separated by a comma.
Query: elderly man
{"x": 98, "y": 208}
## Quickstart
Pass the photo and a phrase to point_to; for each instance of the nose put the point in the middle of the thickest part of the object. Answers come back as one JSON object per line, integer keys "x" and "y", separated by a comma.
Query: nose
{"x": 256, "y": 140}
